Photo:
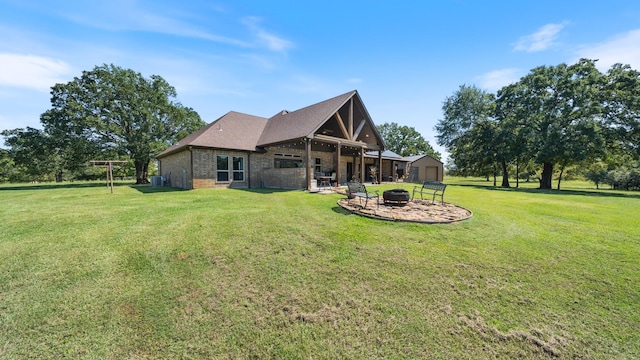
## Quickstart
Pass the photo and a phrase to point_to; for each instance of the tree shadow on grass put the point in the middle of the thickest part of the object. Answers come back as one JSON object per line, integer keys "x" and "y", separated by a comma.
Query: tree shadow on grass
{"x": 266, "y": 191}
{"x": 597, "y": 193}
{"x": 64, "y": 185}
{"x": 148, "y": 189}
{"x": 340, "y": 210}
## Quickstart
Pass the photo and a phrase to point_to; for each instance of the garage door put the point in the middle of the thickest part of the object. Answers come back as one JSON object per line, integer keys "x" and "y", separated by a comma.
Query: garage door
{"x": 431, "y": 173}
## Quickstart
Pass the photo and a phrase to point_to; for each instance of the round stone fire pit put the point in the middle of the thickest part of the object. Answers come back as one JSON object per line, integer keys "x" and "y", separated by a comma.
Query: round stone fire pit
{"x": 396, "y": 197}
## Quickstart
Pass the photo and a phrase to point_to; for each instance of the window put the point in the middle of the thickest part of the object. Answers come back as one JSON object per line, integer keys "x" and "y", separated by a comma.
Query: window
{"x": 238, "y": 168}
{"x": 233, "y": 170}
{"x": 318, "y": 167}
{"x": 223, "y": 168}
{"x": 289, "y": 161}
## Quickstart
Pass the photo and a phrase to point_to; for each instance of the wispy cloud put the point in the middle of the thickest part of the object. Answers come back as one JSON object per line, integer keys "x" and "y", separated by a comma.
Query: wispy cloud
{"x": 133, "y": 16}
{"x": 130, "y": 16}
{"x": 32, "y": 72}
{"x": 265, "y": 38}
{"x": 623, "y": 48}
{"x": 541, "y": 40}
{"x": 495, "y": 80}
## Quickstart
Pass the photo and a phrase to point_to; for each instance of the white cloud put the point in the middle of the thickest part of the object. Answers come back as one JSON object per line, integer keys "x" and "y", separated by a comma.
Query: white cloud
{"x": 540, "y": 40}
{"x": 497, "y": 79}
{"x": 269, "y": 40}
{"x": 623, "y": 48}
{"x": 32, "y": 72}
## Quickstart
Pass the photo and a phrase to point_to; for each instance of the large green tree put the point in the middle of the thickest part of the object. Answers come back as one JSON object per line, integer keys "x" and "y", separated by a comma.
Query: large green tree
{"x": 405, "y": 140}
{"x": 559, "y": 109}
{"x": 115, "y": 112}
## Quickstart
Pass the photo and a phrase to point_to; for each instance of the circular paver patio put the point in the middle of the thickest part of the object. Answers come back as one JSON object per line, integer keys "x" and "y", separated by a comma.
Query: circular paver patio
{"x": 422, "y": 211}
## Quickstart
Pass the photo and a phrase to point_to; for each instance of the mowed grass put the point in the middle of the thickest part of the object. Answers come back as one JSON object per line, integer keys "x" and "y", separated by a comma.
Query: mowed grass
{"x": 220, "y": 273}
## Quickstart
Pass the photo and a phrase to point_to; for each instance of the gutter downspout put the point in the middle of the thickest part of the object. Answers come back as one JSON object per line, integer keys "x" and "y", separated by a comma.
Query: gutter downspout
{"x": 248, "y": 167}
{"x": 191, "y": 163}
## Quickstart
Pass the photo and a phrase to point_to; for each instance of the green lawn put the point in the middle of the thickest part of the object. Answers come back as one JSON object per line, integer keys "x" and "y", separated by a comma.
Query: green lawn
{"x": 219, "y": 273}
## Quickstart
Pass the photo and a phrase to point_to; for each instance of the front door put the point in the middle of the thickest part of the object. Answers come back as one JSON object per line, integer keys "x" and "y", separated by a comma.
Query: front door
{"x": 349, "y": 171}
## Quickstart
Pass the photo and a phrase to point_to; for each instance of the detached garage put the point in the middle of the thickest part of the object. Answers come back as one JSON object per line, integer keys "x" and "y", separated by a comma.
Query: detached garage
{"x": 424, "y": 168}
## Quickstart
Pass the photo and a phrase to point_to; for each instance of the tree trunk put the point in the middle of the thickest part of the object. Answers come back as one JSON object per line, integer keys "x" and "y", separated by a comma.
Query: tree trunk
{"x": 505, "y": 175}
{"x": 495, "y": 174}
{"x": 547, "y": 175}
{"x": 517, "y": 174}
{"x": 560, "y": 177}
{"x": 142, "y": 170}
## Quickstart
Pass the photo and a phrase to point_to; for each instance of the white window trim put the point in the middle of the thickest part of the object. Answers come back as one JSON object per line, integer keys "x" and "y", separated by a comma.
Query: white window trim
{"x": 242, "y": 171}
{"x": 230, "y": 171}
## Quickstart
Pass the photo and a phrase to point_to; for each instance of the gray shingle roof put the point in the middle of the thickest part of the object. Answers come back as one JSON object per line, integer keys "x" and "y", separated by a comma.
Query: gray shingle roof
{"x": 415, "y": 158}
{"x": 387, "y": 154}
{"x": 234, "y": 130}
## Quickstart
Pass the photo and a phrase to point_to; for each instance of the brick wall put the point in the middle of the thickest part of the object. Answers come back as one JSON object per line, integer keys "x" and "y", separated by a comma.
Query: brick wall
{"x": 176, "y": 169}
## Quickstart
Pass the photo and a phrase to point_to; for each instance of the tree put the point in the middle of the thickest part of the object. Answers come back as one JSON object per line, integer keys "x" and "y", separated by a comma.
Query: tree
{"x": 597, "y": 173}
{"x": 7, "y": 167}
{"x": 471, "y": 133}
{"x": 115, "y": 112}
{"x": 622, "y": 109}
{"x": 559, "y": 109}
{"x": 405, "y": 140}
{"x": 32, "y": 154}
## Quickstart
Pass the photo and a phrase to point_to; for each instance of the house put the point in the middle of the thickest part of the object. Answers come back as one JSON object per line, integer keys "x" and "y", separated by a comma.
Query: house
{"x": 423, "y": 168}
{"x": 288, "y": 150}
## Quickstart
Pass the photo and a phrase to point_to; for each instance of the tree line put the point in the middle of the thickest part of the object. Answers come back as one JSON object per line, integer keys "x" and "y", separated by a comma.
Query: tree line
{"x": 108, "y": 113}
{"x": 554, "y": 119}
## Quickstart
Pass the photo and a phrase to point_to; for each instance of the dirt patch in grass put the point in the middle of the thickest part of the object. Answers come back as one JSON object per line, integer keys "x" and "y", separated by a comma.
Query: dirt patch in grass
{"x": 550, "y": 344}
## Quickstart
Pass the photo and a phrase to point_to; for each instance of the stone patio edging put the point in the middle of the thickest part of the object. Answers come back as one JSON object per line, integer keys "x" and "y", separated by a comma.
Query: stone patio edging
{"x": 416, "y": 211}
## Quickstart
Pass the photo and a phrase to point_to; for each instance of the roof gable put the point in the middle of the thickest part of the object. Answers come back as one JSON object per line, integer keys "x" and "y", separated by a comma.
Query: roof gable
{"x": 302, "y": 122}
{"x": 415, "y": 158}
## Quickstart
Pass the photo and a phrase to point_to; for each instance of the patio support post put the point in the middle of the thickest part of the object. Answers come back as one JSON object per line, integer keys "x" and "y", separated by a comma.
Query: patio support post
{"x": 351, "y": 119}
{"x": 379, "y": 166}
{"x": 338, "y": 151}
{"x": 308, "y": 155}
{"x": 362, "y": 174}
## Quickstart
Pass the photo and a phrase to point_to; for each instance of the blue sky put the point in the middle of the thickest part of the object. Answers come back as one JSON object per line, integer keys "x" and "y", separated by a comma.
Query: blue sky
{"x": 260, "y": 57}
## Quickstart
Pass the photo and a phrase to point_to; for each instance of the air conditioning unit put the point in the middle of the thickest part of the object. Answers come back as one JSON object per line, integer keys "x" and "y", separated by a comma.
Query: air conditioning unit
{"x": 157, "y": 181}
